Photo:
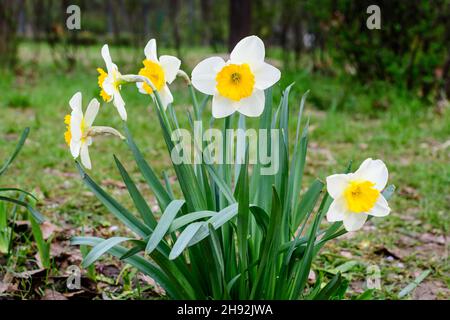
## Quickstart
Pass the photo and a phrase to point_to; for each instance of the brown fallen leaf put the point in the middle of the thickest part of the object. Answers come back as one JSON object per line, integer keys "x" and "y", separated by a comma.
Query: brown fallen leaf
{"x": 429, "y": 237}
{"x": 394, "y": 253}
{"x": 409, "y": 193}
{"x": 53, "y": 295}
{"x": 30, "y": 273}
{"x": 47, "y": 229}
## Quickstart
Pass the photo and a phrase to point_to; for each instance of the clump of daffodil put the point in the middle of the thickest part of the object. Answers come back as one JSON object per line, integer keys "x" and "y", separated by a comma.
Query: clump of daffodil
{"x": 239, "y": 83}
{"x": 358, "y": 195}
{"x": 161, "y": 72}
{"x": 110, "y": 83}
{"x": 79, "y": 130}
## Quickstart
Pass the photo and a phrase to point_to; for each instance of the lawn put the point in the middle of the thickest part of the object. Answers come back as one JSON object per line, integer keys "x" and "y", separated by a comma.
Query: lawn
{"x": 349, "y": 121}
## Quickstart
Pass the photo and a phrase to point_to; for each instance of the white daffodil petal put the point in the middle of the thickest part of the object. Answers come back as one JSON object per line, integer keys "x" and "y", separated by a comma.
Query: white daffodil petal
{"x": 336, "y": 184}
{"x": 75, "y": 146}
{"x": 354, "y": 221}
{"x": 107, "y": 58}
{"x": 91, "y": 112}
{"x": 381, "y": 208}
{"x": 166, "y": 96}
{"x": 204, "y": 75}
{"x": 337, "y": 210}
{"x": 120, "y": 105}
{"x": 252, "y": 106}
{"x": 171, "y": 66}
{"x": 266, "y": 76}
{"x": 150, "y": 51}
{"x": 374, "y": 171}
{"x": 76, "y": 118}
{"x": 249, "y": 50}
{"x": 222, "y": 107}
{"x": 75, "y": 101}
{"x": 140, "y": 86}
{"x": 84, "y": 156}
{"x": 108, "y": 85}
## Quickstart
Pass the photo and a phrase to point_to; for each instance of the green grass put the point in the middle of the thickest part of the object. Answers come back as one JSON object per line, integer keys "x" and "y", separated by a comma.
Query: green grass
{"x": 349, "y": 121}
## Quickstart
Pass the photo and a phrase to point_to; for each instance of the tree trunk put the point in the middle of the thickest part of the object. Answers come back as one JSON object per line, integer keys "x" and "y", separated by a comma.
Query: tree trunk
{"x": 173, "y": 12}
{"x": 9, "y": 11}
{"x": 240, "y": 21}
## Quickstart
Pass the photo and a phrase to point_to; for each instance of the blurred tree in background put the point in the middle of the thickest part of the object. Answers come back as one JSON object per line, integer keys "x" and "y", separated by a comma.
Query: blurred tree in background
{"x": 411, "y": 50}
{"x": 9, "y": 15}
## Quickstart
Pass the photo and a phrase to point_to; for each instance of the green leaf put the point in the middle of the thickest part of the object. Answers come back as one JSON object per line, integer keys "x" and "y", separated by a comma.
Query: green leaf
{"x": 19, "y": 146}
{"x": 217, "y": 221}
{"x": 330, "y": 289}
{"x": 19, "y": 190}
{"x": 98, "y": 250}
{"x": 36, "y": 214}
{"x": 113, "y": 206}
{"x": 188, "y": 218}
{"x": 149, "y": 175}
{"x": 261, "y": 218}
{"x": 138, "y": 200}
{"x": 43, "y": 246}
{"x": 305, "y": 266}
{"x": 299, "y": 158}
{"x": 410, "y": 287}
{"x": 184, "y": 238}
{"x": 164, "y": 224}
{"x": 226, "y": 191}
{"x": 143, "y": 265}
{"x": 270, "y": 247}
{"x": 306, "y": 205}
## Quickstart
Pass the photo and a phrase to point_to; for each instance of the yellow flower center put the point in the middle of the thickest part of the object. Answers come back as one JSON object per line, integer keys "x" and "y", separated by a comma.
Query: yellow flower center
{"x": 101, "y": 78}
{"x": 67, "y": 134}
{"x": 361, "y": 196}
{"x": 155, "y": 73}
{"x": 235, "y": 81}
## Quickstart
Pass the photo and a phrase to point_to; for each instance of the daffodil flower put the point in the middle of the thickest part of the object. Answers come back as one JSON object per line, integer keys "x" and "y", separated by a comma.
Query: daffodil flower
{"x": 79, "y": 130}
{"x": 239, "y": 83}
{"x": 160, "y": 72}
{"x": 357, "y": 195}
{"x": 110, "y": 83}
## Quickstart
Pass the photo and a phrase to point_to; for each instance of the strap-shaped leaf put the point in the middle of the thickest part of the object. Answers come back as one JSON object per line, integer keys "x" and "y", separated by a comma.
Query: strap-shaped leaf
{"x": 184, "y": 238}
{"x": 138, "y": 200}
{"x": 226, "y": 191}
{"x": 145, "y": 266}
{"x": 36, "y": 214}
{"x": 155, "y": 185}
{"x": 19, "y": 146}
{"x": 261, "y": 217}
{"x": 217, "y": 221}
{"x": 188, "y": 218}
{"x": 114, "y": 207}
{"x": 98, "y": 250}
{"x": 306, "y": 205}
{"x": 19, "y": 190}
{"x": 164, "y": 224}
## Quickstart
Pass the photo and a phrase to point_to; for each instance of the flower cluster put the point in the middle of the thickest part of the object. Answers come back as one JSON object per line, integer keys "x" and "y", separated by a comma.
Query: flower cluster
{"x": 237, "y": 85}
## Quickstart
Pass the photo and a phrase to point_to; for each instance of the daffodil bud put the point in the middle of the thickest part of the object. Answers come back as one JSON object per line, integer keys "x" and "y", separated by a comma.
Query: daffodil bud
{"x": 102, "y": 131}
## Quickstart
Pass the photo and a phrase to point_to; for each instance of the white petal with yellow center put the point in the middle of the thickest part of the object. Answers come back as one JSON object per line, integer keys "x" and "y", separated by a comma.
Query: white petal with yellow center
{"x": 357, "y": 195}
{"x": 238, "y": 84}
{"x": 204, "y": 75}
